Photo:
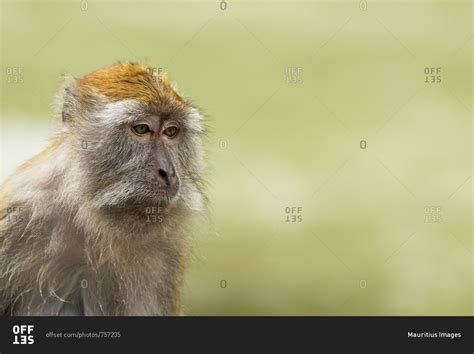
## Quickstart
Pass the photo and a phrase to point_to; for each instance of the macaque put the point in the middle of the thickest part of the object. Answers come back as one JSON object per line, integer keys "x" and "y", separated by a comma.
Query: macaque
{"x": 99, "y": 222}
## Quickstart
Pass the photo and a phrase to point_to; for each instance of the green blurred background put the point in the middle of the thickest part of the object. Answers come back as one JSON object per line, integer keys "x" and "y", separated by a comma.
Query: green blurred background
{"x": 320, "y": 114}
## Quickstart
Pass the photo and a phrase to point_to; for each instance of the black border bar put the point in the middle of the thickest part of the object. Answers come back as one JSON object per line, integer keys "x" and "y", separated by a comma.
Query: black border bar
{"x": 245, "y": 334}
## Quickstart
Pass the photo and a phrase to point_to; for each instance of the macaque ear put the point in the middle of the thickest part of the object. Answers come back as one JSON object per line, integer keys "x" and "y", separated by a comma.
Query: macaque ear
{"x": 69, "y": 101}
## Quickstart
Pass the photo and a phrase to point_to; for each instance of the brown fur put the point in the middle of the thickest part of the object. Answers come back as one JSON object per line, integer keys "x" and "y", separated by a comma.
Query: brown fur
{"x": 130, "y": 81}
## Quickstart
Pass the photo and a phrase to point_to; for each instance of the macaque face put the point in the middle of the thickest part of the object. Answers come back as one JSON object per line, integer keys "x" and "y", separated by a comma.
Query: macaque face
{"x": 142, "y": 155}
{"x": 159, "y": 133}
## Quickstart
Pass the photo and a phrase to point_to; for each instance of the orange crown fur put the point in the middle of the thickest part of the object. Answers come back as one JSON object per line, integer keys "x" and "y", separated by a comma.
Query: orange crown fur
{"x": 130, "y": 81}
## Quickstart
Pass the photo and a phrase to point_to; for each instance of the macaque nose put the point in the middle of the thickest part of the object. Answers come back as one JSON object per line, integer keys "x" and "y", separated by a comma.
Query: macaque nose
{"x": 169, "y": 178}
{"x": 164, "y": 175}
{"x": 165, "y": 172}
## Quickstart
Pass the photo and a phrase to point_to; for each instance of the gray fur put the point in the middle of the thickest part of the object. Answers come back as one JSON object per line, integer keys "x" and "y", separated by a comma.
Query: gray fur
{"x": 75, "y": 236}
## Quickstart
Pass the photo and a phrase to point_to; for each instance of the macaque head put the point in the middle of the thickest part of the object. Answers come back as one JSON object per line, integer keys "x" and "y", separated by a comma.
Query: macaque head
{"x": 138, "y": 142}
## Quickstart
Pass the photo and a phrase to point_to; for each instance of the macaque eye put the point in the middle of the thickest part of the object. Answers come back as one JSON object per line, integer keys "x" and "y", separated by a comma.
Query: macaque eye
{"x": 141, "y": 129}
{"x": 170, "y": 132}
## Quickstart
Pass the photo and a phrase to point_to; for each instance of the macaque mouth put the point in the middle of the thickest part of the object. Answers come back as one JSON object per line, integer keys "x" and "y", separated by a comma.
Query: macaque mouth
{"x": 167, "y": 192}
